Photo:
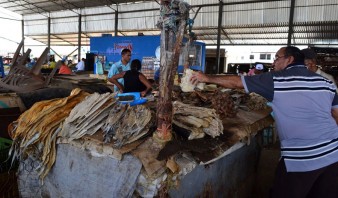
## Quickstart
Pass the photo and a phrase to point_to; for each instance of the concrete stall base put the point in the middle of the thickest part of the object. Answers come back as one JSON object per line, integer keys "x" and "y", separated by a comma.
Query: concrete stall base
{"x": 77, "y": 173}
{"x": 231, "y": 176}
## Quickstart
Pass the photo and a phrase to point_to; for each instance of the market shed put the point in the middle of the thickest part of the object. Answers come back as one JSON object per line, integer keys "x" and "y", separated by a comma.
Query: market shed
{"x": 261, "y": 22}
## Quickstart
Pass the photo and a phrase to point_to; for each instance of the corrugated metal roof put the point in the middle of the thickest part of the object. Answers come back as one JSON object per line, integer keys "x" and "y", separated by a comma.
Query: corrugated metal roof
{"x": 244, "y": 22}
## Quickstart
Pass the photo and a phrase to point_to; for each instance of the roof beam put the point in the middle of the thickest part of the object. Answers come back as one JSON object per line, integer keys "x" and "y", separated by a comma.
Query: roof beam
{"x": 63, "y": 39}
{"x": 226, "y": 34}
{"x": 24, "y": 4}
{"x": 65, "y": 7}
{"x": 10, "y": 19}
{"x": 59, "y": 4}
{"x": 33, "y": 4}
{"x": 29, "y": 8}
{"x": 8, "y": 39}
{"x": 107, "y": 13}
{"x": 112, "y": 2}
{"x": 71, "y": 4}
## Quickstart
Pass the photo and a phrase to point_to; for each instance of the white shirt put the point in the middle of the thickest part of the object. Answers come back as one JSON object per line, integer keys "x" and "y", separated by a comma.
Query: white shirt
{"x": 80, "y": 66}
{"x": 327, "y": 76}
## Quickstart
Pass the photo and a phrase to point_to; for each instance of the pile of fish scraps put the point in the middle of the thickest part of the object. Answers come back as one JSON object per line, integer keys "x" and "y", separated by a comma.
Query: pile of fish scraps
{"x": 126, "y": 124}
{"x": 226, "y": 102}
{"x": 194, "y": 122}
{"x": 34, "y": 133}
{"x": 88, "y": 116}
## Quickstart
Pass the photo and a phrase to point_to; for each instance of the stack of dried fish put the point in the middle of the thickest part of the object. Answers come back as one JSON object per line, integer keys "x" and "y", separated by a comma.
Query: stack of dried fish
{"x": 223, "y": 103}
{"x": 196, "y": 98}
{"x": 88, "y": 116}
{"x": 127, "y": 124}
{"x": 195, "y": 122}
{"x": 256, "y": 102}
{"x": 34, "y": 133}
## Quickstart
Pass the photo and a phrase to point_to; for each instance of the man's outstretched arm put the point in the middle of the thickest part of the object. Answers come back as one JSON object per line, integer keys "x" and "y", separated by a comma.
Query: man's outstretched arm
{"x": 233, "y": 82}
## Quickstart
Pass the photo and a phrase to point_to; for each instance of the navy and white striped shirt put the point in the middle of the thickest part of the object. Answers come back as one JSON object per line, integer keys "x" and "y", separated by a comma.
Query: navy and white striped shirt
{"x": 302, "y": 101}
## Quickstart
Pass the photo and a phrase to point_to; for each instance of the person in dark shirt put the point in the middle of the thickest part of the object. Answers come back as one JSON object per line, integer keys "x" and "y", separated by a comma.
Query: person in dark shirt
{"x": 134, "y": 81}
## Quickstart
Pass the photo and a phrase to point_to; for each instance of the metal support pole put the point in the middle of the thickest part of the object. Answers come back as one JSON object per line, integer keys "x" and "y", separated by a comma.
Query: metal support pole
{"x": 23, "y": 35}
{"x": 116, "y": 22}
{"x": 292, "y": 12}
{"x": 220, "y": 16}
{"x": 79, "y": 39}
{"x": 48, "y": 41}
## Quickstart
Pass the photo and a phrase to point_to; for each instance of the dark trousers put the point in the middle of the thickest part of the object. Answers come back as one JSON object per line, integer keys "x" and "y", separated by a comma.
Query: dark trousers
{"x": 321, "y": 183}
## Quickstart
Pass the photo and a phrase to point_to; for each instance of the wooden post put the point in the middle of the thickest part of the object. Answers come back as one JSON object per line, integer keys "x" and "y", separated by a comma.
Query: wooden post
{"x": 174, "y": 15}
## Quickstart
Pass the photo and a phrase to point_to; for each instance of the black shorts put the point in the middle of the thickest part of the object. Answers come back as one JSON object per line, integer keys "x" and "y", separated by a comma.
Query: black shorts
{"x": 319, "y": 183}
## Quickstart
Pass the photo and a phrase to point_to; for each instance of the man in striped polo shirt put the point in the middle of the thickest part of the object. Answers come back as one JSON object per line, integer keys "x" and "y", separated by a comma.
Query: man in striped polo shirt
{"x": 305, "y": 106}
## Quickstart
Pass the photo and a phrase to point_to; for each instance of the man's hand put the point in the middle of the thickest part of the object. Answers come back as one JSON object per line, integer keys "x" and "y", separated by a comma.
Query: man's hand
{"x": 143, "y": 93}
{"x": 198, "y": 77}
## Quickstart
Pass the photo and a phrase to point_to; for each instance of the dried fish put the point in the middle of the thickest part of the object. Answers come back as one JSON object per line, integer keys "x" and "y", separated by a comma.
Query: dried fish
{"x": 115, "y": 115}
{"x": 256, "y": 102}
{"x": 127, "y": 124}
{"x": 196, "y": 121}
{"x": 37, "y": 129}
{"x": 89, "y": 120}
{"x": 190, "y": 132}
{"x": 223, "y": 103}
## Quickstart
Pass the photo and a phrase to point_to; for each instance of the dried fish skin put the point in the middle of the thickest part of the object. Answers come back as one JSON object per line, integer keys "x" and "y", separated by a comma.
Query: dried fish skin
{"x": 88, "y": 116}
{"x": 115, "y": 115}
{"x": 215, "y": 128}
{"x": 135, "y": 120}
{"x": 126, "y": 124}
{"x": 199, "y": 112}
{"x": 196, "y": 121}
{"x": 37, "y": 130}
{"x": 194, "y": 132}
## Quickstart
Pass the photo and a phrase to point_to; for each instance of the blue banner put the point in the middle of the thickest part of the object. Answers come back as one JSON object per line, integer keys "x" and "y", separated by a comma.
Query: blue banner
{"x": 111, "y": 47}
{"x": 2, "y": 70}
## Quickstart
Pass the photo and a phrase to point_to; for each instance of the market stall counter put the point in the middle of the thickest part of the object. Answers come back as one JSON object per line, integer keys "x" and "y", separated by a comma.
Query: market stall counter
{"x": 88, "y": 161}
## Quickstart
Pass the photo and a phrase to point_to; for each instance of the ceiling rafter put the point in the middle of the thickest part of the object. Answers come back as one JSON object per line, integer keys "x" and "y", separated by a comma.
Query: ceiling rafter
{"x": 323, "y": 31}
{"x": 62, "y": 39}
{"x": 27, "y": 4}
{"x": 64, "y": 7}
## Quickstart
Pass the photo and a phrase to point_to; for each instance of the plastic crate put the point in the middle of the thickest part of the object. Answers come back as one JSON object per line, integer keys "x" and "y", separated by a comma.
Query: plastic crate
{"x": 5, "y": 161}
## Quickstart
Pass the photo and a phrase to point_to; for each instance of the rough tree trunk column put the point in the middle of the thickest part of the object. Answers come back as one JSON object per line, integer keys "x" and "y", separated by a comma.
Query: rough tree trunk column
{"x": 174, "y": 15}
